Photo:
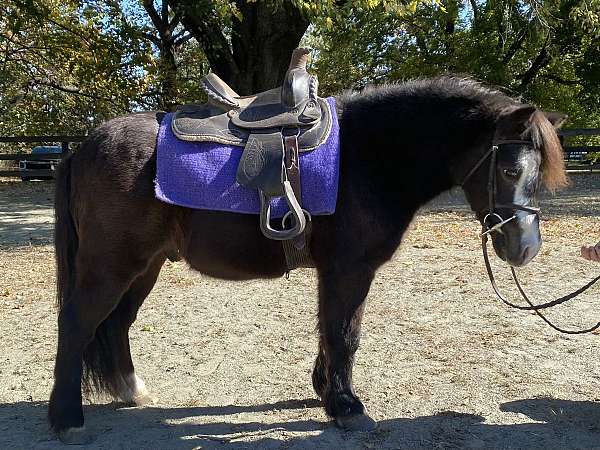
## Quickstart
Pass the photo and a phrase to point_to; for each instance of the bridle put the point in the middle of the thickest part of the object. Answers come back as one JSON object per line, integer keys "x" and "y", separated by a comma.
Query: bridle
{"x": 492, "y": 214}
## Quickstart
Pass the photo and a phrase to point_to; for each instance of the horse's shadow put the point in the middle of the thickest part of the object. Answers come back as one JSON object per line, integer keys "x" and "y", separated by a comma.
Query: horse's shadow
{"x": 557, "y": 424}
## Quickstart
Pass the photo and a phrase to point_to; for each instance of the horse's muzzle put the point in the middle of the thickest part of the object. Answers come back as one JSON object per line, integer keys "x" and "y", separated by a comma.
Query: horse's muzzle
{"x": 519, "y": 241}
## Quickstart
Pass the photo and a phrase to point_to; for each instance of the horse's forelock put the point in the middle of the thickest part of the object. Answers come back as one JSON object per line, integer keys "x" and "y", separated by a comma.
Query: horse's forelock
{"x": 545, "y": 138}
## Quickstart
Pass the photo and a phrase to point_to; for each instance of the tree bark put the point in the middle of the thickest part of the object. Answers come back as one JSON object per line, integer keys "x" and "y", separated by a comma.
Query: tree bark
{"x": 256, "y": 56}
{"x": 263, "y": 42}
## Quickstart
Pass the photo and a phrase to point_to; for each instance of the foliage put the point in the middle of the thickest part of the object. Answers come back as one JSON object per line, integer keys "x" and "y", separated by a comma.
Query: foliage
{"x": 546, "y": 52}
{"x": 67, "y": 65}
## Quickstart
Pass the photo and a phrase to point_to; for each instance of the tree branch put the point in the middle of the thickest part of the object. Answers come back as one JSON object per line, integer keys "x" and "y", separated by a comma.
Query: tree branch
{"x": 541, "y": 61}
{"x": 560, "y": 80}
{"x": 154, "y": 17}
{"x": 475, "y": 9}
{"x": 209, "y": 34}
{"x": 152, "y": 38}
{"x": 183, "y": 40}
{"x": 165, "y": 12}
{"x": 176, "y": 20}
{"x": 70, "y": 90}
{"x": 515, "y": 46}
{"x": 70, "y": 30}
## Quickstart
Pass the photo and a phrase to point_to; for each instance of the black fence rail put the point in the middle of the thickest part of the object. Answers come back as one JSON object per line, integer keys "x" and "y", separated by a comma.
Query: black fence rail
{"x": 36, "y": 165}
{"x": 578, "y": 157}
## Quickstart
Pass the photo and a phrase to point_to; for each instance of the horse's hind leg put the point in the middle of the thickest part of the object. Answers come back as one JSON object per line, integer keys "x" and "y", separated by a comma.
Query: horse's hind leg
{"x": 103, "y": 278}
{"x": 341, "y": 303}
{"x": 128, "y": 386}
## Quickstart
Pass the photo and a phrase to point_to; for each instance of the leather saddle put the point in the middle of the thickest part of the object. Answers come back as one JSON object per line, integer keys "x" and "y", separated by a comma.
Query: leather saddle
{"x": 272, "y": 127}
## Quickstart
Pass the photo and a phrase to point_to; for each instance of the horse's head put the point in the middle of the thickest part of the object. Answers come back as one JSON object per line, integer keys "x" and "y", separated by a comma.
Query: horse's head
{"x": 503, "y": 183}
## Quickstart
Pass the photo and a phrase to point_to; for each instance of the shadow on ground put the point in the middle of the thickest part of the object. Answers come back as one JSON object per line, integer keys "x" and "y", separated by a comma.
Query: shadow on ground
{"x": 26, "y": 213}
{"x": 556, "y": 424}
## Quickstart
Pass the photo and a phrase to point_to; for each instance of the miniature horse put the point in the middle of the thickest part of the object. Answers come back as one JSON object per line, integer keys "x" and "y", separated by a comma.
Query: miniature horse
{"x": 401, "y": 146}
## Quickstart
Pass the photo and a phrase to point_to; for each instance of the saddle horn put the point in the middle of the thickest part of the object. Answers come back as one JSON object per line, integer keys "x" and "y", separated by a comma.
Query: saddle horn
{"x": 297, "y": 81}
{"x": 299, "y": 59}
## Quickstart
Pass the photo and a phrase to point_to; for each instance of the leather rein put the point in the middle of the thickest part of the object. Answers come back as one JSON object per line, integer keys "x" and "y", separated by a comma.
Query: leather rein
{"x": 489, "y": 227}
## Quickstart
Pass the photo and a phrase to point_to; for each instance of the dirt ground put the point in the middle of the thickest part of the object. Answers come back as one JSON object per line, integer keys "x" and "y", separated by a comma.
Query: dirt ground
{"x": 442, "y": 363}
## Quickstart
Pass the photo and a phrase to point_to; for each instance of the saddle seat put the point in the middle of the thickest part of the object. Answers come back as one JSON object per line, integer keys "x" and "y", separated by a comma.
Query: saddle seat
{"x": 273, "y": 127}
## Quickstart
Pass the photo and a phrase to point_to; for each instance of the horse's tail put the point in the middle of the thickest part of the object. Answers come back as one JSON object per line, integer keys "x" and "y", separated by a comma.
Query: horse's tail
{"x": 66, "y": 240}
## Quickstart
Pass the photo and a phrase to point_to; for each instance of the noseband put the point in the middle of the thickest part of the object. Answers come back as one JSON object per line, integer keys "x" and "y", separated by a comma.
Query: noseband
{"x": 491, "y": 215}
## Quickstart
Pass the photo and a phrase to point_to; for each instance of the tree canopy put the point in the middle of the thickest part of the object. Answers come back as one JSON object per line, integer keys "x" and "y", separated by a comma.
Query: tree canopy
{"x": 67, "y": 65}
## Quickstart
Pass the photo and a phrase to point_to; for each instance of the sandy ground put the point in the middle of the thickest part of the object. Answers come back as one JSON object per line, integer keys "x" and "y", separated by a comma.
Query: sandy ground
{"x": 442, "y": 363}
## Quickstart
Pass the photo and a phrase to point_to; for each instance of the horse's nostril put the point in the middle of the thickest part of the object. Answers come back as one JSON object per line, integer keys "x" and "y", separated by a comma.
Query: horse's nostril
{"x": 528, "y": 253}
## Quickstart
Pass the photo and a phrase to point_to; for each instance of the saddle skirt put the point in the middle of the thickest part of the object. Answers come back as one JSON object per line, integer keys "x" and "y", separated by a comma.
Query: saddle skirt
{"x": 200, "y": 172}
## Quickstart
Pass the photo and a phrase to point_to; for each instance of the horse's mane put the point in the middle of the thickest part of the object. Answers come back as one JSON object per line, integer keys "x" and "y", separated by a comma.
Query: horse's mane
{"x": 492, "y": 102}
{"x": 443, "y": 86}
{"x": 544, "y": 137}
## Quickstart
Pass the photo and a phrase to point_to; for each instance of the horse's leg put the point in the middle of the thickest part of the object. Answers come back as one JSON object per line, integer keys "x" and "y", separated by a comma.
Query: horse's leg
{"x": 341, "y": 304}
{"x": 132, "y": 388}
{"x": 110, "y": 282}
{"x": 95, "y": 294}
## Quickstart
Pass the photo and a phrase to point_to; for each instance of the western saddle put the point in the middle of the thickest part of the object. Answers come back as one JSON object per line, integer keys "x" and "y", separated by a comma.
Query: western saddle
{"x": 272, "y": 127}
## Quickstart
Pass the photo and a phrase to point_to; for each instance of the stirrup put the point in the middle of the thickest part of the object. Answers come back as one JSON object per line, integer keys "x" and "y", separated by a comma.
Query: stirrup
{"x": 295, "y": 209}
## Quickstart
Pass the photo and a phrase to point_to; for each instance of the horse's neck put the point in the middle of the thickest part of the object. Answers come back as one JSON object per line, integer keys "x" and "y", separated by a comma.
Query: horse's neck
{"x": 410, "y": 150}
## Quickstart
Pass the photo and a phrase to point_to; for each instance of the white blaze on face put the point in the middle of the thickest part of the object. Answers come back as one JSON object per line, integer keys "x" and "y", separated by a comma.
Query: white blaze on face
{"x": 524, "y": 186}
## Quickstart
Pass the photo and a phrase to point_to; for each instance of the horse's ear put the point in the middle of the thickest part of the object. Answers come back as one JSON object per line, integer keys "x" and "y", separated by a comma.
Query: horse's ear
{"x": 556, "y": 118}
{"x": 514, "y": 120}
{"x": 519, "y": 115}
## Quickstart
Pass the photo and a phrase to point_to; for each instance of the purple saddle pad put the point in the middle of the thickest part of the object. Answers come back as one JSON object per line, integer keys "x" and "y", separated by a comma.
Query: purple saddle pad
{"x": 201, "y": 175}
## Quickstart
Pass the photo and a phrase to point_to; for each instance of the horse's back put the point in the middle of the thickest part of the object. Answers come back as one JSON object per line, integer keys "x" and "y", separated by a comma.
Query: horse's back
{"x": 120, "y": 150}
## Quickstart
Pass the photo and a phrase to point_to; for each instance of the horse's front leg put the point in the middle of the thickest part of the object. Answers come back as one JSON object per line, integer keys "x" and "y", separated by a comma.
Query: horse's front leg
{"x": 341, "y": 302}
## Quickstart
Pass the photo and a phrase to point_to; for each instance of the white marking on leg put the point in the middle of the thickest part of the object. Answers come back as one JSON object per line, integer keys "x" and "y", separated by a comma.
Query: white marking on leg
{"x": 133, "y": 389}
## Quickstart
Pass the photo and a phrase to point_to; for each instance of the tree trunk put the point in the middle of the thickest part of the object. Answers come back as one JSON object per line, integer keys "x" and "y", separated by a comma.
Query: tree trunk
{"x": 168, "y": 78}
{"x": 261, "y": 43}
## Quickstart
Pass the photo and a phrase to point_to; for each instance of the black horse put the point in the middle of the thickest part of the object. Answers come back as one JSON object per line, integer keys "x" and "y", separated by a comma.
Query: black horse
{"x": 401, "y": 145}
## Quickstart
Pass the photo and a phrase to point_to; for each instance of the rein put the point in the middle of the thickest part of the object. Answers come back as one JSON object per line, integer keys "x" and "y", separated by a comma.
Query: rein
{"x": 532, "y": 306}
{"x": 490, "y": 228}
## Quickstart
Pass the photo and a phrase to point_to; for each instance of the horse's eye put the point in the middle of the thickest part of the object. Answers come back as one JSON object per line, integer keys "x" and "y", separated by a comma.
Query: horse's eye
{"x": 511, "y": 173}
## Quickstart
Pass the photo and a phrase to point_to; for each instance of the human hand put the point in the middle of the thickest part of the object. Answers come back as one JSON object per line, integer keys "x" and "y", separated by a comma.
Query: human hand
{"x": 591, "y": 252}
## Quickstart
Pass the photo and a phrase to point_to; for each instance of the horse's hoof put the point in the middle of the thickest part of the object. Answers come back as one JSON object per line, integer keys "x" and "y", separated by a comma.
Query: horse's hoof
{"x": 75, "y": 436}
{"x": 144, "y": 400}
{"x": 356, "y": 422}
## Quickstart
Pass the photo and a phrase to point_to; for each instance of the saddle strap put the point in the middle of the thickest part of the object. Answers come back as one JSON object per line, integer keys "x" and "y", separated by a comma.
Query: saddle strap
{"x": 296, "y": 258}
{"x": 292, "y": 167}
{"x": 296, "y": 250}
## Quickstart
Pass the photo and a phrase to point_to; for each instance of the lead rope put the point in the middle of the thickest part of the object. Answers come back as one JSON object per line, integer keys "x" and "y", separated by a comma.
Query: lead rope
{"x": 532, "y": 307}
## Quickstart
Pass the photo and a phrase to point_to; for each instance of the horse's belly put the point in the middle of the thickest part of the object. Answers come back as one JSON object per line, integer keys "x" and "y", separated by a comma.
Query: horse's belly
{"x": 230, "y": 246}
